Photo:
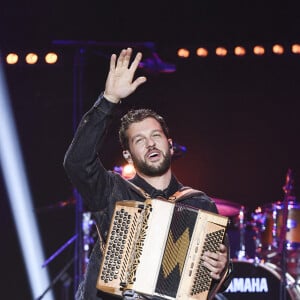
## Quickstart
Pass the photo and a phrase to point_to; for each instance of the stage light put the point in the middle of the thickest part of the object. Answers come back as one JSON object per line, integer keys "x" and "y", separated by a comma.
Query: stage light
{"x": 296, "y": 49}
{"x": 128, "y": 171}
{"x": 239, "y": 51}
{"x": 202, "y": 52}
{"x": 259, "y": 50}
{"x": 31, "y": 58}
{"x": 19, "y": 195}
{"x": 51, "y": 58}
{"x": 221, "y": 51}
{"x": 278, "y": 49}
{"x": 12, "y": 58}
{"x": 183, "y": 53}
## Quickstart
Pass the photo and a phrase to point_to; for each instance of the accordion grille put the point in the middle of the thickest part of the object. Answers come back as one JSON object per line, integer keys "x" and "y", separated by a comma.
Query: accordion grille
{"x": 116, "y": 246}
{"x": 124, "y": 247}
{"x": 202, "y": 279}
{"x": 178, "y": 242}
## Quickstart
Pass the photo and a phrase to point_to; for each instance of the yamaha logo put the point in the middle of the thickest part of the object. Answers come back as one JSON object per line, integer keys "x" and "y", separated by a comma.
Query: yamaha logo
{"x": 248, "y": 285}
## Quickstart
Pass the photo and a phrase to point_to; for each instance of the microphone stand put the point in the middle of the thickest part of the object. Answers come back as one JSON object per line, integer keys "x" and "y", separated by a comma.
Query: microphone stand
{"x": 61, "y": 249}
{"x": 282, "y": 248}
{"x": 61, "y": 275}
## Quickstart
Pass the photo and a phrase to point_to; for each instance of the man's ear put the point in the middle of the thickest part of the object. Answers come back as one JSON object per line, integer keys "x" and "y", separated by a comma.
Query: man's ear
{"x": 171, "y": 146}
{"x": 127, "y": 155}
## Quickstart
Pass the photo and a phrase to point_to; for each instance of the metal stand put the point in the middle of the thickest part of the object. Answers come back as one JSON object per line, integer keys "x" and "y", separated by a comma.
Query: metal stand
{"x": 282, "y": 248}
{"x": 241, "y": 253}
{"x": 62, "y": 275}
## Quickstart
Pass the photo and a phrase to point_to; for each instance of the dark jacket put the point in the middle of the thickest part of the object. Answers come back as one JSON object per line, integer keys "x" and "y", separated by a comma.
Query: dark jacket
{"x": 100, "y": 188}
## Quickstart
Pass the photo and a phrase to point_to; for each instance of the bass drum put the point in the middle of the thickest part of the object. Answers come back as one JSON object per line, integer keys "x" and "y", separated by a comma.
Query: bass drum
{"x": 259, "y": 282}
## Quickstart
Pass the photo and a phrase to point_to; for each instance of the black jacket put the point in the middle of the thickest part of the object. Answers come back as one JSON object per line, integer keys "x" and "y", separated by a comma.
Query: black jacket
{"x": 100, "y": 189}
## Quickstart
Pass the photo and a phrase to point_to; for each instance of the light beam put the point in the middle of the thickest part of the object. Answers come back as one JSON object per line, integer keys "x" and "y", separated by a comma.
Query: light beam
{"x": 20, "y": 198}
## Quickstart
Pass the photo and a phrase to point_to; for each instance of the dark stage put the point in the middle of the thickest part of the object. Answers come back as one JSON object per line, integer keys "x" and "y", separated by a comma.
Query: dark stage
{"x": 238, "y": 117}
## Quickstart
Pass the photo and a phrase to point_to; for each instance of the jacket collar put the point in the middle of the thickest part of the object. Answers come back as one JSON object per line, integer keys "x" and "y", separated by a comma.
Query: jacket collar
{"x": 173, "y": 187}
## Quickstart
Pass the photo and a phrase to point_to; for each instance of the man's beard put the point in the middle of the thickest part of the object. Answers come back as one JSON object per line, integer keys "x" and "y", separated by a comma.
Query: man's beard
{"x": 150, "y": 170}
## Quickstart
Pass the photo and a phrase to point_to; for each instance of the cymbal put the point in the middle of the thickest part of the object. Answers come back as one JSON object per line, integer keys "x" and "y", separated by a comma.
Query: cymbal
{"x": 227, "y": 208}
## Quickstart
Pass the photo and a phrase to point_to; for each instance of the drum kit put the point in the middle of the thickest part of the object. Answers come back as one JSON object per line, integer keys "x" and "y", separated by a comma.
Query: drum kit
{"x": 265, "y": 251}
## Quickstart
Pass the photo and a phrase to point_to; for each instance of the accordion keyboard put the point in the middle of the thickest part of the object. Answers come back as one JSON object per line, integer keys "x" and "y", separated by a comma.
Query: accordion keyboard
{"x": 202, "y": 278}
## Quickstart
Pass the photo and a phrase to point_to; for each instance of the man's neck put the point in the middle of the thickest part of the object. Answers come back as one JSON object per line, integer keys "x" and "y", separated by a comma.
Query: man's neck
{"x": 158, "y": 182}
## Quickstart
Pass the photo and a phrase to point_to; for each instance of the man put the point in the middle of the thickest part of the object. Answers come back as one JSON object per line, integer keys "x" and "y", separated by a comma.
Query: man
{"x": 146, "y": 144}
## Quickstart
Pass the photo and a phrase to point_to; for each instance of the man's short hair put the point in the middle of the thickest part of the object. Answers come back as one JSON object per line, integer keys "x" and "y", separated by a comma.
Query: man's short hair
{"x": 138, "y": 115}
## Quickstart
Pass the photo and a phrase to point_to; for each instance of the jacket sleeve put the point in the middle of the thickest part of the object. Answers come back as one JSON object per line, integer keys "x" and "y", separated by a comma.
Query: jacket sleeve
{"x": 81, "y": 161}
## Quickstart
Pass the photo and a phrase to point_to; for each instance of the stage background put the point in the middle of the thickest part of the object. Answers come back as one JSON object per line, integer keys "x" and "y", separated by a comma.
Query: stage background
{"x": 238, "y": 117}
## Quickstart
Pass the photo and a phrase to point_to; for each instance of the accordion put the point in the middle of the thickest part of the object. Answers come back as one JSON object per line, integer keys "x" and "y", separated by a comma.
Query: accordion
{"x": 155, "y": 249}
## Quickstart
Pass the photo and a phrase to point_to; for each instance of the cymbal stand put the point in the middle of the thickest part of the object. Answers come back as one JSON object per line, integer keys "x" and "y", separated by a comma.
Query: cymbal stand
{"x": 60, "y": 250}
{"x": 64, "y": 277}
{"x": 282, "y": 245}
{"x": 241, "y": 253}
{"x": 257, "y": 225}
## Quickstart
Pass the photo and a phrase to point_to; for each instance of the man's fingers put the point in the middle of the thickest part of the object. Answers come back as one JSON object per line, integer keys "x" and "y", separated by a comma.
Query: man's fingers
{"x": 112, "y": 65}
{"x": 121, "y": 58}
{"x": 126, "y": 58}
{"x": 136, "y": 61}
{"x": 215, "y": 262}
{"x": 138, "y": 82}
{"x": 222, "y": 248}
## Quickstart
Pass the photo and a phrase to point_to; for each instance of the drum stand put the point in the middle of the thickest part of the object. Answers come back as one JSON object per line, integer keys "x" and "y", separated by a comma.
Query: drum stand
{"x": 283, "y": 283}
{"x": 282, "y": 246}
{"x": 241, "y": 253}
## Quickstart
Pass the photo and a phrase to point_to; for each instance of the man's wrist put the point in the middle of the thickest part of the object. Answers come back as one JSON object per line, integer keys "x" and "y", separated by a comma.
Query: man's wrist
{"x": 104, "y": 105}
{"x": 111, "y": 98}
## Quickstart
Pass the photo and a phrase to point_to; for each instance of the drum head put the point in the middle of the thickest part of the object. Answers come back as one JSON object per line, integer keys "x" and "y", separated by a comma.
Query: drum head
{"x": 257, "y": 281}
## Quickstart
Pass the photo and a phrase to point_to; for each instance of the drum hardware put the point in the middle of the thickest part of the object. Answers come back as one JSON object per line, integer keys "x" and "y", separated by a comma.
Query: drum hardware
{"x": 239, "y": 229}
{"x": 282, "y": 246}
{"x": 62, "y": 276}
{"x": 264, "y": 225}
{"x": 241, "y": 254}
{"x": 258, "y": 281}
{"x": 277, "y": 227}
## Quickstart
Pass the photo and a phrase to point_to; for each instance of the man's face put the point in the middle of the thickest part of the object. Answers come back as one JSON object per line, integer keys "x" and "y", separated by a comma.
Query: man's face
{"x": 149, "y": 147}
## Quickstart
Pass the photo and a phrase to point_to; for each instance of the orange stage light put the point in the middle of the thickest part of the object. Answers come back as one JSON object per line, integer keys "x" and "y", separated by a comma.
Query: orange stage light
{"x": 221, "y": 51}
{"x": 12, "y": 58}
{"x": 51, "y": 58}
{"x": 128, "y": 171}
{"x": 259, "y": 50}
{"x": 183, "y": 52}
{"x": 202, "y": 52}
{"x": 31, "y": 58}
{"x": 239, "y": 51}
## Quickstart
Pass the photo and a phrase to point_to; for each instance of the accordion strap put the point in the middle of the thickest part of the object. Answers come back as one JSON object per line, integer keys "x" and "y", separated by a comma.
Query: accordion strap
{"x": 183, "y": 193}
{"x": 139, "y": 190}
{"x": 179, "y": 195}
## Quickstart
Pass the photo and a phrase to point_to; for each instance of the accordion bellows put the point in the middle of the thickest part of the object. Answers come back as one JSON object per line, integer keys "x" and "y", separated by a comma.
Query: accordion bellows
{"x": 155, "y": 248}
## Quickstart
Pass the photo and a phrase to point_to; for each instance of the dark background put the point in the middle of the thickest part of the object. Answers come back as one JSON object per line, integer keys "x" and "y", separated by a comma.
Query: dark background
{"x": 237, "y": 116}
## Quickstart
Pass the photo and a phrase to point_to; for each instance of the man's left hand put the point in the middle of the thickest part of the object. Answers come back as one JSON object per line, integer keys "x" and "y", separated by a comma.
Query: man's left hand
{"x": 215, "y": 262}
